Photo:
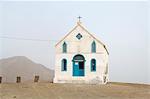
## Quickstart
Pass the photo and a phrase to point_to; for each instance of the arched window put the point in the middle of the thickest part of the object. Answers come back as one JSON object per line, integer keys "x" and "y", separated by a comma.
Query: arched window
{"x": 93, "y": 47}
{"x": 64, "y": 65}
{"x": 64, "y": 47}
{"x": 93, "y": 65}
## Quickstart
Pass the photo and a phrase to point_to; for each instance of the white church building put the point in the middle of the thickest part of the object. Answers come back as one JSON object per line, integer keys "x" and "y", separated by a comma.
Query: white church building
{"x": 81, "y": 58}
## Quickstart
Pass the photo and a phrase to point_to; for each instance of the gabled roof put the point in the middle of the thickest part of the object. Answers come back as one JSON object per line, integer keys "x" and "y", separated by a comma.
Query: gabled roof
{"x": 79, "y": 24}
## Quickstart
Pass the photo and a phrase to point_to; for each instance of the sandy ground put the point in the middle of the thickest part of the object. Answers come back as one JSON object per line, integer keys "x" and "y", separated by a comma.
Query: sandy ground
{"x": 74, "y": 91}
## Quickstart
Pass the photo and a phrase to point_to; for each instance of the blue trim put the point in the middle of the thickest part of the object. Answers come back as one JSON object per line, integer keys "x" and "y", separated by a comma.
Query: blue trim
{"x": 78, "y": 57}
{"x": 93, "y": 65}
{"x": 78, "y": 68}
{"x": 64, "y": 47}
{"x": 63, "y": 65}
{"x": 79, "y": 36}
{"x": 93, "y": 47}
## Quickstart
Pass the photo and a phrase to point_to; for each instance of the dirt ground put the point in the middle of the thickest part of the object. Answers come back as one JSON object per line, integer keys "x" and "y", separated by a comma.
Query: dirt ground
{"x": 74, "y": 91}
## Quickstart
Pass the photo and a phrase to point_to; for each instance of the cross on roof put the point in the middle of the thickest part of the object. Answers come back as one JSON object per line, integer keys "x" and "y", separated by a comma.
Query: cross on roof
{"x": 79, "y": 17}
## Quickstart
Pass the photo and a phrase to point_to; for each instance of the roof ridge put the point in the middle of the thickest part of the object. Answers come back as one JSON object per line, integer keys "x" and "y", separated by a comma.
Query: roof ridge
{"x": 66, "y": 35}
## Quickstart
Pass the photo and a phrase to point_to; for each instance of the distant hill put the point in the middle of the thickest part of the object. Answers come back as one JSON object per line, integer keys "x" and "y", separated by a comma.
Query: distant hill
{"x": 21, "y": 66}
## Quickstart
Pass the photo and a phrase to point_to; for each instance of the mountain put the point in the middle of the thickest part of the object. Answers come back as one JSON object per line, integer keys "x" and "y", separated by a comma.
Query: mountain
{"x": 23, "y": 67}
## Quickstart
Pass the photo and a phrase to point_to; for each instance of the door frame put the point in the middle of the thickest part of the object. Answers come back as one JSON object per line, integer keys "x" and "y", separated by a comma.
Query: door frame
{"x": 73, "y": 64}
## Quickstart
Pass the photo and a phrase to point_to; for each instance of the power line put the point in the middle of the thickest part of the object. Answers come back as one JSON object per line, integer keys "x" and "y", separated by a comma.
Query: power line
{"x": 18, "y": 38}
{"x": 30, "y": 39}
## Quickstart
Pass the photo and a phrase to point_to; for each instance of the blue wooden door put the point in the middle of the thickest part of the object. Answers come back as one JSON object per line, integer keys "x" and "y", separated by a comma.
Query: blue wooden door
{"x": 78, "y": 69}
{"x": 81, "y": 68}
{"x": 75, "y": 68}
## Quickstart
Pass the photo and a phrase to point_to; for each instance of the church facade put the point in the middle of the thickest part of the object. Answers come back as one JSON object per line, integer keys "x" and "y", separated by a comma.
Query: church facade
{"x": 81, "y": 58}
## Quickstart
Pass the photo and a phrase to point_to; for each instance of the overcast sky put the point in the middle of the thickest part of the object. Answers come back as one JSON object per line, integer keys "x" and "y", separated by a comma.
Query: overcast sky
{"x": 122, "y": 26}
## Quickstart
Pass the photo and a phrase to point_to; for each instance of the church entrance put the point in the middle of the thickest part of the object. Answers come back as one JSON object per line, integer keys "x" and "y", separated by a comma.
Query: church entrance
{"x": 78, "y": 65}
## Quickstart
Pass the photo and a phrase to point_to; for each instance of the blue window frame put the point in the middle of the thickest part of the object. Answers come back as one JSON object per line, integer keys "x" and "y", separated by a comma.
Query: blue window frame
{"x": 93, "y": 47}
{"x": 64, "y": 47}
{"x": 93, "y": 65}
{"x": 64, "y": 65}
{"x": 79, "y": 36}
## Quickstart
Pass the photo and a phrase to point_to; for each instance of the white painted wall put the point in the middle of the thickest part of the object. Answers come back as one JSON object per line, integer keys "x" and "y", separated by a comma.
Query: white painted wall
{"x": 83, "y": 47}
